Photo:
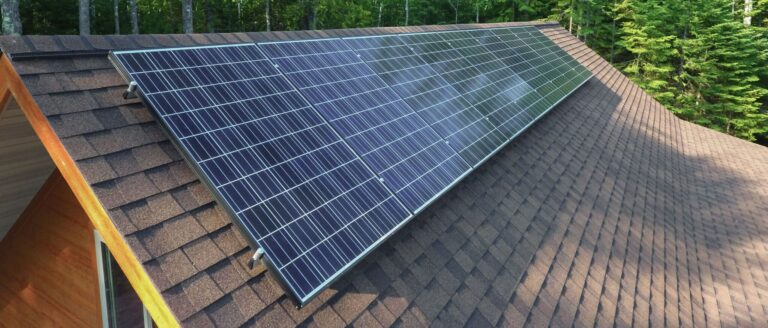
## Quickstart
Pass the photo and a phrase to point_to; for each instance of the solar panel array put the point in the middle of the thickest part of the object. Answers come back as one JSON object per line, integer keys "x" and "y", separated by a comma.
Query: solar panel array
{"x": 389, "y": 136}
{"x": 295, "y": 186}
{"x": 437, "y": 102}
{"x": 322, "y": 149}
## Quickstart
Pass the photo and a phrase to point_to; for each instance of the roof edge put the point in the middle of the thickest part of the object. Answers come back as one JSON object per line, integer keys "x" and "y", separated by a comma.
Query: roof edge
{"x": 5, "y": 91}
{"x": 57, "y": 46}
{"x": 12, "y": 85}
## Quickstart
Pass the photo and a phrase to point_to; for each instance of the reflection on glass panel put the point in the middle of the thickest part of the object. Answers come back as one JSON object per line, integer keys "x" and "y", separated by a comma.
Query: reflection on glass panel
{"x": 123, "y": 306}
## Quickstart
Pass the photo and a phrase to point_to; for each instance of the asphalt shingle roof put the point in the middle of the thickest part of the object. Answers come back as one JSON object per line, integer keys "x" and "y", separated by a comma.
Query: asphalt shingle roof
{"x": 609, "y": 210}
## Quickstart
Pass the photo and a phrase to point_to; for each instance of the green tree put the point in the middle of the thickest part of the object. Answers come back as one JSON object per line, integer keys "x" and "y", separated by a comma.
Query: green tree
{"x": 649, "y": 34}
{"x": 726, "y": 64}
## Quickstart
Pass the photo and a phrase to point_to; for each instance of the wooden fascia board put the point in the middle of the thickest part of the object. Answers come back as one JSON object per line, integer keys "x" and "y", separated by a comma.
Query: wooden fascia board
{"x": 5, "y": 93}
{"x": 129, "y": 263}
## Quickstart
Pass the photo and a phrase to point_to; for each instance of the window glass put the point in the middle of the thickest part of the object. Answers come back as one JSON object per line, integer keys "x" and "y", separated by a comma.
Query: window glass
{"x": 123, "y": 307}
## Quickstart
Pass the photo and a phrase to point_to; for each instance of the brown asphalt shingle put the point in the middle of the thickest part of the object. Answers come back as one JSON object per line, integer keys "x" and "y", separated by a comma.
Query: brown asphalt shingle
{"x": 609, "y": 211}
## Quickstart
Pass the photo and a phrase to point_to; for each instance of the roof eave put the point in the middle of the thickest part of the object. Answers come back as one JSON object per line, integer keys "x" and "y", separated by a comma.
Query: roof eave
{"x": 11, "y": 85}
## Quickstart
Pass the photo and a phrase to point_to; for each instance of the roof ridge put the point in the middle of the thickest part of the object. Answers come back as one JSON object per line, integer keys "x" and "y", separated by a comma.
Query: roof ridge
{"x": 26, "y": 46}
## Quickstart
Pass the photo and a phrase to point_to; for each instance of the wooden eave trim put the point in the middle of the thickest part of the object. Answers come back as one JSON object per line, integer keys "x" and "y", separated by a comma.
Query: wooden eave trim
{"x": 5, "y": 93}
{"x": 129, "y": 263}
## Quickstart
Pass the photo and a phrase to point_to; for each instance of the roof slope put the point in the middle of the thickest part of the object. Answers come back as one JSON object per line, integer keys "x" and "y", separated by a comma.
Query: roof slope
{"x": 609, "y": 209}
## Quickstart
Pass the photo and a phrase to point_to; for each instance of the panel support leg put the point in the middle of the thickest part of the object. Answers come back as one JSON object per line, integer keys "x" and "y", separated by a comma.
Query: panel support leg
{"x": 257, "y": 257}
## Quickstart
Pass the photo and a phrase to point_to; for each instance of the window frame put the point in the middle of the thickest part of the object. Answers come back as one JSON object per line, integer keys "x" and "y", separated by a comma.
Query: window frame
{"x": 101, "y": 251}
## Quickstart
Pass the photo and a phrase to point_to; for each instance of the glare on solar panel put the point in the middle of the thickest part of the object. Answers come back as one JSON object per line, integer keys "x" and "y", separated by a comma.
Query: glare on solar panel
{"x": 410, "y": 157}
{"x": 554, "y": 73}
{"x": 430, "y": 95}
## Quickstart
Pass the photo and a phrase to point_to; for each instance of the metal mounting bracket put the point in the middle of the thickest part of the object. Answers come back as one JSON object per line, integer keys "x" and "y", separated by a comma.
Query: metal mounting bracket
{"x": 257, "y": 257}
{"x": 130, "y": 93}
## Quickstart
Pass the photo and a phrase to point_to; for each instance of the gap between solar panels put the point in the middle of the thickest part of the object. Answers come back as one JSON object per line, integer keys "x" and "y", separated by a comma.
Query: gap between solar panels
{"x": 322, "y": 149}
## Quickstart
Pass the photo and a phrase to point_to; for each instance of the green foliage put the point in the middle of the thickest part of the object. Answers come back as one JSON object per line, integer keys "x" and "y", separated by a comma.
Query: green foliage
{"x": 694, "y": 56}
{"x": 698, "y": 59}
{"x": 759, "y": 13}
{"x": 49, "y": 17}
{"x": 726, "y": 68}
{"x": 650, "y": 34}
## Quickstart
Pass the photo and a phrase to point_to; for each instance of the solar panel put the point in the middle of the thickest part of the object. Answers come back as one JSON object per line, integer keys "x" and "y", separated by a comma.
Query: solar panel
{"x": 550, "y": 70}
{"x": 400, "y": 147}
{"x": 483, "y": 80}
{"x": 292, "y": 183}
{"x": 322, "y": 149}
{"x": 430, "y": 95}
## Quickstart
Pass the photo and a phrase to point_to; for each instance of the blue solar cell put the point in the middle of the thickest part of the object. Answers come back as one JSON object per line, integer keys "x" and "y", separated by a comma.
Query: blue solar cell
{"x": 292, "y": 183}
{"x": 410, "y": 157}
{"x": 430, "y": 95}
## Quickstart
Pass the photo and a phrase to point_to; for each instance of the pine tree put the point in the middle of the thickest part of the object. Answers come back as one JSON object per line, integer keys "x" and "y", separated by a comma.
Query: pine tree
{"x": 599, "y": 31}
{"x": 593, "y": 21}
{"x": 760, "y": 13}
{"x": 697, "y": 16}
{"x": 649, "y": 33}
{"x": 726, "y": 65}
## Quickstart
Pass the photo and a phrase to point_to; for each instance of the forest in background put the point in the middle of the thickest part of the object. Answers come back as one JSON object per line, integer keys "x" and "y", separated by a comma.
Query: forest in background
{"x": 706, "y": 60}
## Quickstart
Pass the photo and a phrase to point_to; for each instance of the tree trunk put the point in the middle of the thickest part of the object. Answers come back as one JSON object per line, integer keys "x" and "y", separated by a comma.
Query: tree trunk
{"x": 85, "y": 17}
{"x": 747, "y": 12}
{"x": 134, "y": 17}
{"x": 613, "y": 32}
{"x": 268, "y": 13}
{"x": 117, "y": 16}
{"x": 570, "y": 19}
{"x": 407, "y": 12}
{"x": 586, "y": 18}
{"x": 240, "y": 15}
{"x": 11, "y": 18}
{"x": 580, "y": 18}
{"x": 313, "y": 16}
{"x": 186, "y": 16}
{"x": 456, "y": 13}
{"x": 381, "y": 7}
{"x": 477, "y": 12}
{"x": 209, "y": 16}
{"x": 682, "y": 48}
{"x": 308, "y": 19}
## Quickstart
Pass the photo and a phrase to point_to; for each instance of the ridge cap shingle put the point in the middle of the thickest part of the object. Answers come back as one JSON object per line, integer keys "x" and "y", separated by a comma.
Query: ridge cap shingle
{"x": 26, "y": 45}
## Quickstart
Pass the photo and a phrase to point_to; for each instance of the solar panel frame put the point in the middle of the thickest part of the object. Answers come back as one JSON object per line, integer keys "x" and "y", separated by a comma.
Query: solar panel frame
{"x": 299, "y": 297}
